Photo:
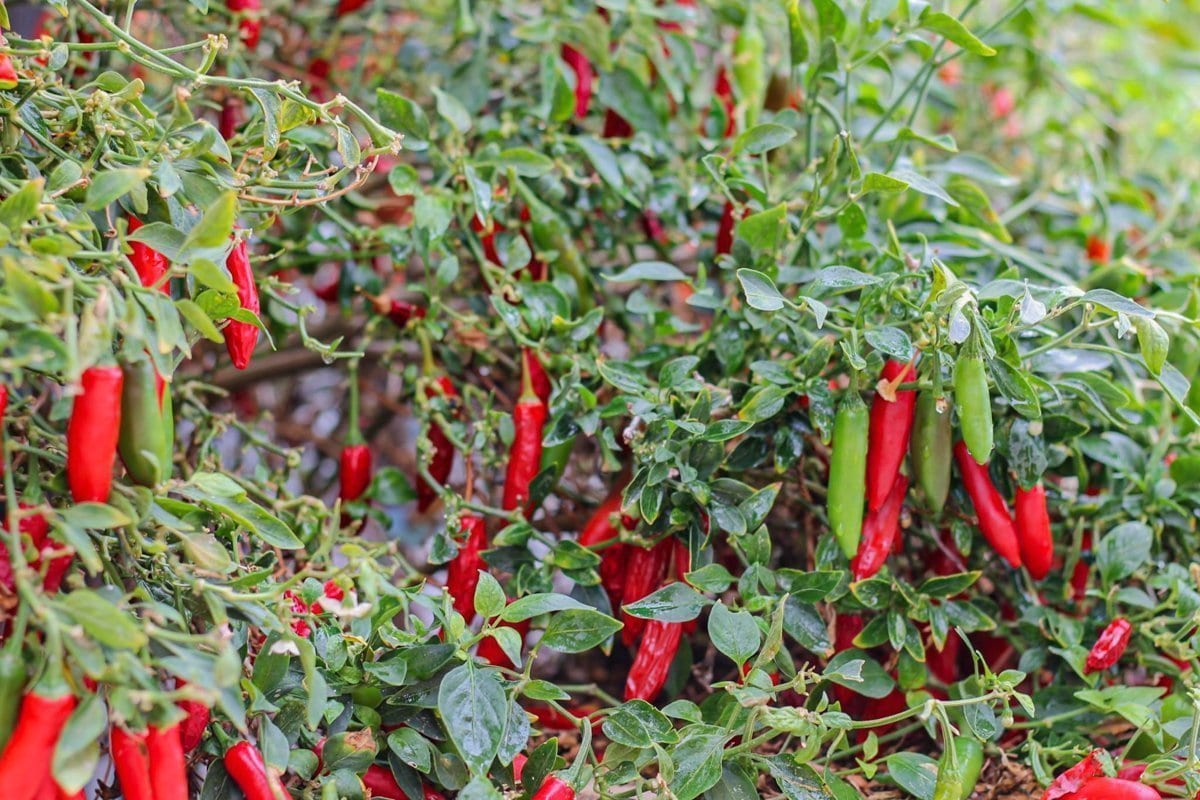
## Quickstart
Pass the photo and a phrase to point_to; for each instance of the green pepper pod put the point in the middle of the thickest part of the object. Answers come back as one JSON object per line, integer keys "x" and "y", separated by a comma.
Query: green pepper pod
{"x": 147, "y": 439}
{"x": 932, "y": 450}
{"x": 749, "y": 77}
{"x": 956, "y": 781}
{"x": 974, "y": 405}
{"x": 12, "y": 684}
{"x": 848, "y": 472}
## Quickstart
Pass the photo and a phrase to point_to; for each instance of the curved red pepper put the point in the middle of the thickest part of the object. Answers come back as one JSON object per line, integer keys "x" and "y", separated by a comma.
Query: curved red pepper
{"x": 131, "y": 757}
{"x": 250, "y": 24}
{"x": 537, "y": 375}
{"x": 525, "y": 454}
{"x": 8, "y": 72}
{"x": 245, "y": 765}
{"x": 890, "y": 431}
{"x": 881, "y": 530}
{"x": 554, "y": 788}
{"x": 645, "y": 568}
{"x": 26, "y": 762}
{"x": 441, "y": 459}
{"x": 723, "y": 91}
{"x": 92, "y": 434}
{"x": 601, "y": 528}
{"x": 382, "y": 783}
{"x": 653, "y": 660}
{"x": 1033, "y": 531}
{"x": 149, "y": 264}
{"x": 168, "y": 776}
{"x": 191, "y": 730}
{"x": 462, "y": 576}
{"x": 725, "y": 228}
{"x": 995, "y": 523}
{"x": 241, "y": 337}
{"x": 355, "y": 475}
{"x": 584, "y": 76}
{"x": 1110, "y": 646}
{"x": 487, "y": 238}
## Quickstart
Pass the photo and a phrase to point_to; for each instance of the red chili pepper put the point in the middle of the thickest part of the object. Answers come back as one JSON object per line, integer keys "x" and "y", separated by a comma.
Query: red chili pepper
{"x": 890, "y": 431}
{"x": 248, "y": 770}
{"x": 1079, "y": 575}
{"x": 554, "y": 788}
{"x": 1033, "y": 531}
{"x": 149, "y": 264}
{"x": 355, "y": 473}
{"x": 345, "y": 7}
{"x": 250, "y": 24}
{"x": 3, "y": 411}
{"x": 487, "y": 238}
{"x": 880, "y": 532}
{"x": 892, "y": 703}
{"x": 1098, "y": 250}
{"x": 491, "y": 652}
{"x": 92, "y": 434}
{"x": 723, "y": 91}
{"x": 191, "y": 730}
{"x": 645, "y": 568}
{"x": 381, "y": 783}
{"x": 943, "y": 664}
{"x": 441, "y": 459}
{"x": 995, "y": 523}
{"x": 168, "y": 776}
{"x": 537, "y": 375}
{"x": 332, "y": 591}
{"x": 462, "y": 576}
{"x": 8, "y": 72}
{"x": 229, "y": 119}
{"x": 584, "y": 76}
{"x": 725, "y": 229}
{"x": 241, "y": 337}
{"x": 1075, "y": 777}
{"x": 400, "y": 312}
{"x": 616, "y": 126}
{"x": 1111, "y": 645}
{"x": 37, "y": 529}
{"x": 57, "y": 568}
{"x": 27, "y": 758}
{"x": 131, "y": 756}
{"x": 525, "y": 453}
{"x": 653, "y": 228}
{"x": 1114, "y": 789}
{"x": 653, "y": 660}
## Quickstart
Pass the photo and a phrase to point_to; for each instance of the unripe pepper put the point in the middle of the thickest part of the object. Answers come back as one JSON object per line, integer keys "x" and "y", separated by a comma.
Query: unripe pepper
{"x": 1033, "y": 530}
{"x": 26, "y": 762}
{"x": 245, "y": 765}
{"x": 12, "y": 683}
{"x": 250, "y": 23}
{"x": 995, "y": 523}
{"x": 8, "y": 72}
{"x": 554, "y": 788}
{"x": 932, "y": 449}
{"x": 890, "y": 431}
{"x": 653, "y": 660}
{"x": 749, "y": 78}
{"x": 1111, "y": 645}
{"x": 92, "y": 434}
{"x": 441, "y": 459}
{"x": 150, "y": 265}
{"x": 131, "y": 757}
{"x": 974, "y": 405}
{"x": 147, "y": 434}
{"x": 168, "y": 775}
{"x": 462, "y": 576}
{"x": 584, "y": 76}
{"x": 241, "y": 337}
{"x": 880, "y": 532}
{"x": 847, "y": 473}
{"x": 956, "y": 781}
{"x": 525, "y": 454}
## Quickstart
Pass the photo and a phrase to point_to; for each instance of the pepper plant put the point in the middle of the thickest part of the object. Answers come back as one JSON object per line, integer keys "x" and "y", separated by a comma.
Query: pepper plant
{"x": 617, "y": 400}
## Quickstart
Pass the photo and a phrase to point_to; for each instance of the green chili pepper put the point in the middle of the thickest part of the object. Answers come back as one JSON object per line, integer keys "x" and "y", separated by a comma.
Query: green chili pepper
{"x": 848, "y": 472}
{"x": 956, "y": 781}
{"x": 974, "y": 405}
{"x": 147, "y": 439}
{"x": 932, "y": 449}
{"x": 12, "y": 684}
{"x": 799, "y": 42}
{"x": 1154, "y": 343}
{"x": 749, "y": 76}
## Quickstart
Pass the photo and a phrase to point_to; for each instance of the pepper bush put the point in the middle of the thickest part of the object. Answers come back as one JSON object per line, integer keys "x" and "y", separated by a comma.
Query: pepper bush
{"x": 622, "y": 399}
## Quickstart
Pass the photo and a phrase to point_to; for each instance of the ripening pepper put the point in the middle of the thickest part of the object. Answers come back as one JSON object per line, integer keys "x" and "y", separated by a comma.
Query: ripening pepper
{"x": 168, "y": 776}
{"x": 1110, "y": 646}
{"x": 92, "y": 433}
{"x": 932, "y": 448}
{"x": 150, "y": 265}
{"x": 956, "y": 778}
{"x": 241, "y": 337}
{"x": 584, "y": 76}
{"x": 245, "y": 765}
{"x": 974, "y": 405}
{"x": 441, "y": 457}
{"x": 1033, "y": 530}
{"x": 131, "y": 757}
{"x": 655, "y": 653}
{"x": 995, "y": 523}
{"x": 147, "y": 433}
{"x": 8, "y": 72}
{"x": 890, "y": 430}
{"x": 525, "y": 453}
{"x": 847, "y": 473}
{"x": 26, "y": 762}
{"x": 462, "y": 576}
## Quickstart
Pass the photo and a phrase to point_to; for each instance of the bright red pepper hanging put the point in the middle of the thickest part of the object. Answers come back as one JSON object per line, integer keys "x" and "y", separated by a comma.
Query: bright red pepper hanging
{"x": 191, "y": 730}
{"x": 1033, "y": 531}
{"x": 92, "y": 434}
{"x": 537, "y": 375}
{"x": 880, "y": 532}
{"x": 250, "y": 23}
{"x": 462, "y": 576}
{"x": 491, "y": 652}
{"x": 994, "y": 520}
{"x": 650, "y": 666}
{"x": 525, "y": 453}
{"x": 241, "y": 337}
{"x": 168, "y": 774}
{"x": 26, "y": 762}
{"x": 603, "y": 526}
{"x": 584, "y": 76}
{"x": 245, "y": 765}
{"x": 441, "y": 458}
{"x": 645, "y": 568}
{"x": 1110, "y": 646}
{"x": 149, "y": 264}
{"x": 131, "y": 757}
{"x": 890, "y": 431}
{"x": 554, "y": 788}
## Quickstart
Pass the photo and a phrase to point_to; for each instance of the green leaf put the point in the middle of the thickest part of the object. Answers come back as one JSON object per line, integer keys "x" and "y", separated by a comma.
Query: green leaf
{"x": 648, "y": 271}
{"x": 112, "y": 185}
{"x": 734, "y": 633}
{"x": 452, "y": 110}
{"x": 764, "y": 230}
{"x": 210, "y": 275}
{"x": 399, "y": 113}
{"x": 954, "y": 31}
{"x": 21, "y": 206}
{"x": 697, "y": 760}
{"x": 525, "y": 162}
{"x": 675, "y": 602}
{"x": 103, "y": 621}
{"x": 474, "y": 709}
{"x": 763, "y": 138}
{"x": 857, "y": 671}
{"x": 639, "y": 724}
{"x": 216, "y": 226}
{"x": 535, "y": 605}
{"x": 578, "y": 630}
{"x": 98, "y": 516}
{"x": 760, "y": 290}
{"x": 915, "y": 773}
{"x": 1123, "y": 550}
{"x": 77, "y": 752}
